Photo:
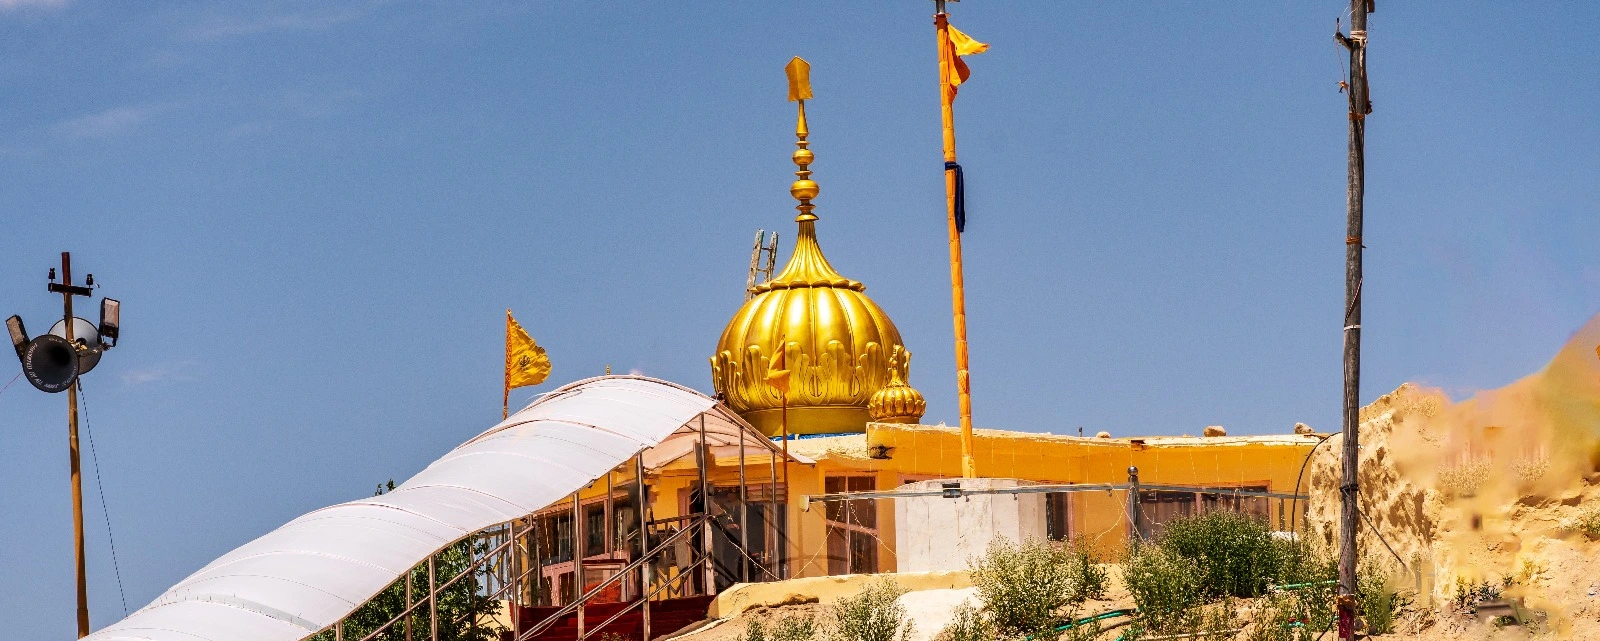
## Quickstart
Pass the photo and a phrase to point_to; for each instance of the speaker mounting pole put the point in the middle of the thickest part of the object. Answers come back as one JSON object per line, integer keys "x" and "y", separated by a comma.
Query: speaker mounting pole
{"x": 67, "y": 291}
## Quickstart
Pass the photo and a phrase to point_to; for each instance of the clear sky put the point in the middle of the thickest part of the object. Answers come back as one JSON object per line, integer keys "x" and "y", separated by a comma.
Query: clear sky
{"x": 317, "y": 212}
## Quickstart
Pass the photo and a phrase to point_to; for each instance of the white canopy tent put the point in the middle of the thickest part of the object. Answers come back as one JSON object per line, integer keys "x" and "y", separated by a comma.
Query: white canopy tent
{"x": 302, "y": 577}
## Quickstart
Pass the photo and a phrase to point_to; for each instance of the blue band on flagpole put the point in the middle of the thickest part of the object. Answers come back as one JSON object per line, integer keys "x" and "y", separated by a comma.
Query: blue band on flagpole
{"x": 961, "y": 197}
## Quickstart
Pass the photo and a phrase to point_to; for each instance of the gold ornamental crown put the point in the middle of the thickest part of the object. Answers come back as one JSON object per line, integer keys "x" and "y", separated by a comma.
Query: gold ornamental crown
{"x": 841, "y": 347}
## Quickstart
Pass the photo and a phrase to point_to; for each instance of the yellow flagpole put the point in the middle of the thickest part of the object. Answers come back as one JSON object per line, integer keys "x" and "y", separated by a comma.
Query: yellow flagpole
{"x": 958, "y": 298}
{"x": 505, "y": 394}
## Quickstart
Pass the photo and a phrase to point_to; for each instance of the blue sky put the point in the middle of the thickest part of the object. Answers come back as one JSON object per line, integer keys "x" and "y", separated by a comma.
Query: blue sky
{"x": 316, "y": 213}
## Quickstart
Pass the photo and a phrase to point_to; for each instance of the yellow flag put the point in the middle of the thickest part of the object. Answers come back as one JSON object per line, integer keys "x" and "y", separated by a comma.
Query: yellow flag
{"x": 777, "y": 375}
{"x": 799, "y": 72}
{"x": 526, "y": 362}
{"x": 958, "y": 44}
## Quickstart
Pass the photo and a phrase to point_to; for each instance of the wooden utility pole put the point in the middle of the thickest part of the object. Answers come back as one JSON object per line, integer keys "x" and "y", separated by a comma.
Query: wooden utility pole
{"x": 1349, "y": 514}
{"x": 67, "y": 291}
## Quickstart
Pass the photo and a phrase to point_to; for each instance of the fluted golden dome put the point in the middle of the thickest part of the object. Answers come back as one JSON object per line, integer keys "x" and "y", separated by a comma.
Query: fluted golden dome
{"x": 896, "y": 402}
{"x": 838, "y": 343}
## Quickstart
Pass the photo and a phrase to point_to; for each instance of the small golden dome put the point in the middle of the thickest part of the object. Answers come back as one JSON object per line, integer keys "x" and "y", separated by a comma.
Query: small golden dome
{"x": 896, "y": 402}
{"x": 839, "y": 345}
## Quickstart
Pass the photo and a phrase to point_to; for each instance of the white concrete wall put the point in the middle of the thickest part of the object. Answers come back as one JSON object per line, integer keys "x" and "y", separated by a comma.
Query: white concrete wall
{"x": 934, "y": 533}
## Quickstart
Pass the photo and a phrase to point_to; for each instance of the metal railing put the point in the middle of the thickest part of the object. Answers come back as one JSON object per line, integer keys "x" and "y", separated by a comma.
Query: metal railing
{"x": 620, "y": 575}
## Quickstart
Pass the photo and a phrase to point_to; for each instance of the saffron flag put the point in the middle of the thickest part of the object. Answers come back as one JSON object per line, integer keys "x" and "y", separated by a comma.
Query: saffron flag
{"x": 526, "y": 362}
{"x": 799, "y": 72}
{"x": 957, "y": 45}
{"x": 777, "y": 375}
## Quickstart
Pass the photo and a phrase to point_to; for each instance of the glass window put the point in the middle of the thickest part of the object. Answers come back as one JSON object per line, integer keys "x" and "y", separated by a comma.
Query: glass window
{"x": 852, "y": 527}
{"x": 1058, "y": 515}
{"x": 594, "y": 528}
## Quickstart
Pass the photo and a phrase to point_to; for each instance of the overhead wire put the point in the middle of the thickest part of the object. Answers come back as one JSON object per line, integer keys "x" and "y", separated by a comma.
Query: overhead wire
{"x": 8, "y": 385}
{"x": 101, "y": 490}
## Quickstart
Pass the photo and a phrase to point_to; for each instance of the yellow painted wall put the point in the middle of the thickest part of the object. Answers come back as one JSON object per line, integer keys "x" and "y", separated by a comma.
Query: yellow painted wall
{"x": 919, "y": 451}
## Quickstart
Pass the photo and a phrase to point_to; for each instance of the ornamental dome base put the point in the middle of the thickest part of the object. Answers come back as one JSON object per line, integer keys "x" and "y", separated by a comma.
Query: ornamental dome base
{"x": 811, "y": 419}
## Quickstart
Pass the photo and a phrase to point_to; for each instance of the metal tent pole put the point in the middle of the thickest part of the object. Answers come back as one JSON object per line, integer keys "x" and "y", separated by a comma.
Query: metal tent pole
{"x": 515, "y": 566}
{"x": 744, "y": 517}
{"x": 644, "y": 547}
{"x": 433, "y": 600}
{"x": 608, "y": 531}
{"x": 709, "y": 573}
{"x": 578, "y": 583}
{"x": 776, "y": 552}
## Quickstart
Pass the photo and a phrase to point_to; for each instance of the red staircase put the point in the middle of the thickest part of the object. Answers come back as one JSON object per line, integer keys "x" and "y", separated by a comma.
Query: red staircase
{"x": 666, "y": 616}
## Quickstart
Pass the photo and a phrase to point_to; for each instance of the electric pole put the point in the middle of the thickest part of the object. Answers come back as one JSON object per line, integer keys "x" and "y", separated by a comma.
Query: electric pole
{"x": 1349, "y": 515}
{"x": 52, "y": 363}
{"x": 68, "y": 290}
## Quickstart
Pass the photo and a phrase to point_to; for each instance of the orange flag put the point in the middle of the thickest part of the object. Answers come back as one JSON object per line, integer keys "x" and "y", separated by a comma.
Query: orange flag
{"x": 777, "y": 375}
{"x": 956, "y": 45}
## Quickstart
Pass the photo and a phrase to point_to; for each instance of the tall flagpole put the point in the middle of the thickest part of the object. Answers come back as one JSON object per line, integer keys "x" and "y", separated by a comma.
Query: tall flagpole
{"x": 958, "y": 297}
{"x": 505, "y": 389}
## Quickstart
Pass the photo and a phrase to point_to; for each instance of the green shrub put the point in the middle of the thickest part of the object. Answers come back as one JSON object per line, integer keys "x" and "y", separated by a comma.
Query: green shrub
{"x": 1272, "y": 617}
{"x": 1585, "y": 522}
{"x": 1380, "y": 603}
{"x": 968, "y": 624}
{"x": 873, "y": 615}
{"x": 1218, "y": 621}
{"x": 1468, "y": 595}
{"x": 1087, "y": 577}
{"x": 788, "y": 628}
{"x": 1235, "y": 553}
{"x": 1023, "y": 586}
{"x": 1165, "y": 586}
{"x": 1315, "y": 573}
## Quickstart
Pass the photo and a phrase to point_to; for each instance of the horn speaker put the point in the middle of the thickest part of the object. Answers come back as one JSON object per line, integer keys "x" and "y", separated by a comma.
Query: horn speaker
{"x": 50, "y": 363}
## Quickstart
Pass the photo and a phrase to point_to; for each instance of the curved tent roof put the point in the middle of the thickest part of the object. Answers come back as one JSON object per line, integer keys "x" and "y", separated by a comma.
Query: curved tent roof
{"x": 302, "y": 577}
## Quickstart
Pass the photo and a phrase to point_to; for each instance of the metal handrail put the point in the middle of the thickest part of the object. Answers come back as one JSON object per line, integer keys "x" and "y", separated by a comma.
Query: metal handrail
{"x": 434, "y": 593}
{"x": 1041, "y": 489}
{"x": 686, "y": 573}
{"x": 622, "y": 573}
{"x": 743, "y": 552}
{"x": 504, "y": 588}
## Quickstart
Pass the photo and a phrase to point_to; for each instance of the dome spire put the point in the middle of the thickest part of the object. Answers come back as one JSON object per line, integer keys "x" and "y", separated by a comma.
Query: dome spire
{"x": 807, "y": 266}
{"x": 803, "y": 189}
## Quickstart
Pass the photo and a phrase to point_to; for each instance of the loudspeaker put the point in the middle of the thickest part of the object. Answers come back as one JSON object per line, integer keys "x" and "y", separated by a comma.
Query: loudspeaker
{"x": 83, "y": 333}
{"x": 50, "y": 363}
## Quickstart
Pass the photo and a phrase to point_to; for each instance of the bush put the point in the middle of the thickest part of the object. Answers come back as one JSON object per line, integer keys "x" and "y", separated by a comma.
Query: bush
{"x": 1023, "y": 586}
{"x": 1380, "y": 603}
{"x": 788, "y": 628}
{"x": 968, "y": 624}
{"x": 1585, "y": 522}
{"x": 1314, "y": 573}
{"x": 1166, "y": 587}
{"x": 1468, "y": 595}
{"x": 1272, "y": 618}
{"x": 873, "y": 615}
{"x": 1236, "y": 553}
{"x": 1087, "y": 577}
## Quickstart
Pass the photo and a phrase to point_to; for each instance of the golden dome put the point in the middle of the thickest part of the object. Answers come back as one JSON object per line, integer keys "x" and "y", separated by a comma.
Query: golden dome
{"x": 839, "y": 345}
{"x": 896, "y": 402}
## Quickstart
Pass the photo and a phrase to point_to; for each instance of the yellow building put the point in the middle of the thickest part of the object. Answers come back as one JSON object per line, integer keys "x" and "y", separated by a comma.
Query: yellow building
{"x": 852, "y": 424}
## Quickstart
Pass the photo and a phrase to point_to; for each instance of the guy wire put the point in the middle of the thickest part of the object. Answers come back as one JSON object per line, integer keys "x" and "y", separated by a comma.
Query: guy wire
{"x": 101, "y": 490}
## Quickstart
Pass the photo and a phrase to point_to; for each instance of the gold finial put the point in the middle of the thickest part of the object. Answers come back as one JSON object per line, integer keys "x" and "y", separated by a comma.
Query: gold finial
{"x": 804, "y": 189}
{"x": 608, "y": 369}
